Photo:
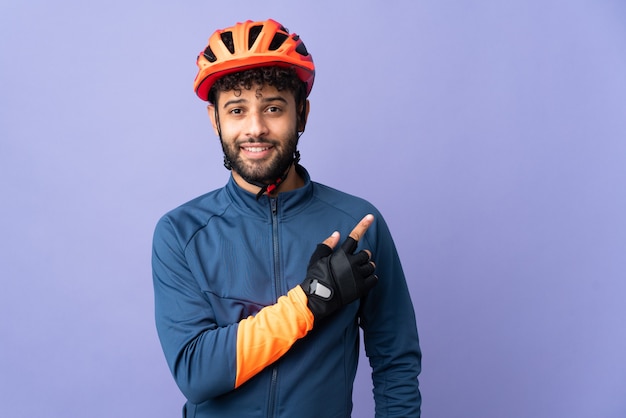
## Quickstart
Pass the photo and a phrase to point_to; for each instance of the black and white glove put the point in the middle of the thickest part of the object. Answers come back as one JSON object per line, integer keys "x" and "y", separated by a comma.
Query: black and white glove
{"x": 335, "y": 279}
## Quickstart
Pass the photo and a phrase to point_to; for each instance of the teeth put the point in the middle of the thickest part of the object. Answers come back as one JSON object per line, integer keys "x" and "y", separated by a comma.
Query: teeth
{"x": 256, "y": 149}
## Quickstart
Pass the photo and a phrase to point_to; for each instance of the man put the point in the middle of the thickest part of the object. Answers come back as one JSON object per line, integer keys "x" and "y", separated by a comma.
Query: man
{"x": 255, "y": 318}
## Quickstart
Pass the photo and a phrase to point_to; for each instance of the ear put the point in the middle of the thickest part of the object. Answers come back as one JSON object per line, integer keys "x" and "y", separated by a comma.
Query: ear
{"x": 211, "y": 109}
{"x": 305, "y": 114}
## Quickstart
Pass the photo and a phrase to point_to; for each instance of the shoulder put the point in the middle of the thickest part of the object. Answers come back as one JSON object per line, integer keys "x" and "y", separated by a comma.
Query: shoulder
{"x": 343, "y": 201}
{"x": 354, "y": 208}
{"x": 185, "y": 220}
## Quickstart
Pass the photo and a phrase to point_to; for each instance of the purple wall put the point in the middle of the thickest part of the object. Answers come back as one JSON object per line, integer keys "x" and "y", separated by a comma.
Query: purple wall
{"x": 492, "y": 135}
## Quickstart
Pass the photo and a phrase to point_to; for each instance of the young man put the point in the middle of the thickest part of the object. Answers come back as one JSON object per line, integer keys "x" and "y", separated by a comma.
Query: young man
{"x": 255, "y": 318}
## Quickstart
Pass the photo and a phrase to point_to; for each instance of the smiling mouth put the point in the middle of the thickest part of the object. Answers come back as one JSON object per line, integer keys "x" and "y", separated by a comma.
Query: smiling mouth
{"x": 255, "y": 149}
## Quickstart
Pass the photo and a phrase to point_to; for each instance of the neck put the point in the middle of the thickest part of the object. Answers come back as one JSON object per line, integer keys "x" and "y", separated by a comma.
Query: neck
{"x": 291, "y": 182}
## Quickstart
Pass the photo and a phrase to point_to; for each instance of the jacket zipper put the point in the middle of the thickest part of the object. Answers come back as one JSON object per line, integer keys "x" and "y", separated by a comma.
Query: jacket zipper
{"x": 277, "y": 275}
{"x": 277, "y": 290}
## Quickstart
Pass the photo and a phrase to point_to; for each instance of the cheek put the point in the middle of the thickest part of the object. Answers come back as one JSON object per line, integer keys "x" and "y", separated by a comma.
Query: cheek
{"x": 229, "y": 135}
{"x": 283, "y": 129}
{"x": 228, "y": 143}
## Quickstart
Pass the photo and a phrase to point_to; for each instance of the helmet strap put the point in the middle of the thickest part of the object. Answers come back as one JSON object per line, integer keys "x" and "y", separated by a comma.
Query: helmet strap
{"x": 270, "y": 188}
{"x": 218, "y": 126}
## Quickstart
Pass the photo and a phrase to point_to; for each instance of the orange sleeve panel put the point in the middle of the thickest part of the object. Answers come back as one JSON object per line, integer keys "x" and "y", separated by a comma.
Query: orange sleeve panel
{"x": 264, "y": 338}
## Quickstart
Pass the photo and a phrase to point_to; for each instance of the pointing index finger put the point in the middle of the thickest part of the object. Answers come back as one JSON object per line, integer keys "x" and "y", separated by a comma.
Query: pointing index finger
{"x": 360, "y": 229}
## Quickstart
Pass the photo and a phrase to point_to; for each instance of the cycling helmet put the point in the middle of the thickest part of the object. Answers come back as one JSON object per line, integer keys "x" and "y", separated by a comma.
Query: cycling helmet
{"x": 248, "y": 45}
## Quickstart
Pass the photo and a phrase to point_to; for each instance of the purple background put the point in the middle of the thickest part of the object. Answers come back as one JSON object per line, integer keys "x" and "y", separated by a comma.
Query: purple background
{"x": 492, "y": 136}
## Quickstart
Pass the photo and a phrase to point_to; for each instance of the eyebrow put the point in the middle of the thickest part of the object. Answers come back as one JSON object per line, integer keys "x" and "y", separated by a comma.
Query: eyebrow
{"x": 264, "y": 100}
{"x": 274, "y": 99}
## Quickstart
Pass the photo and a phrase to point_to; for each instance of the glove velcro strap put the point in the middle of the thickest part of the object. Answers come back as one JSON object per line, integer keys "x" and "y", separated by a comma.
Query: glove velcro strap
{"x": 341, "y": 268}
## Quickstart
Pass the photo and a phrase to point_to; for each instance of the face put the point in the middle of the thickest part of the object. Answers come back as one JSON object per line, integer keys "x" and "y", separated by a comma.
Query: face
{"x": 258, "y": 131}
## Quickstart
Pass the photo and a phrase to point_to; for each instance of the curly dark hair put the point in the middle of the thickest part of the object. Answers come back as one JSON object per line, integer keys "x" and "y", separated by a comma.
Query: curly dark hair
{"x": 277, "y": 77}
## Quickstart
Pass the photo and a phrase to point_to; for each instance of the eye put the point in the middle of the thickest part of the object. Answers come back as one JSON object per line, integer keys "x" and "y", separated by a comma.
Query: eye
{"x": 273, "y": 109}
{"x": 235, "y": 111}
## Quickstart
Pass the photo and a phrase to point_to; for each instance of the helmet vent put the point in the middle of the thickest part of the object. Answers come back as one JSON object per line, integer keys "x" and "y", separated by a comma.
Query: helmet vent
{"x": 277, "y": 41}
{"x": 301, "y": 49}
{"x": 208, "y": 54}
{"x": 253, "y": 34}
{"x": 227, "y": 38}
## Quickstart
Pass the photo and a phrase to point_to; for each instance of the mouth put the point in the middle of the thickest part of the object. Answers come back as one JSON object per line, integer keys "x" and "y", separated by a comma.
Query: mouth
{"x": 256, "y": 151}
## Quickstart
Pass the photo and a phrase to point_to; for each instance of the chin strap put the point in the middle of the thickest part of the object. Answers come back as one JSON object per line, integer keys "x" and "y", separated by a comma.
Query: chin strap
{"x": 270, "y": 188}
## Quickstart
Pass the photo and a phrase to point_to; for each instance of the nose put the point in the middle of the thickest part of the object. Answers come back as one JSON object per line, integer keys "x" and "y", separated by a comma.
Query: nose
{"x": 257, "y": 126}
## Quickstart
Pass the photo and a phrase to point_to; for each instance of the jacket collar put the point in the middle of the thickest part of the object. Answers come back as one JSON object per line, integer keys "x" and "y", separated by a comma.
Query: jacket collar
{"x": 287, "y": 203}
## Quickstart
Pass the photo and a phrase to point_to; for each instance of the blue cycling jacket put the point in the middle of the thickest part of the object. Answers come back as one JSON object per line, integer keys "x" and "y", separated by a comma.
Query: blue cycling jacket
{"x": 233, "y": 321}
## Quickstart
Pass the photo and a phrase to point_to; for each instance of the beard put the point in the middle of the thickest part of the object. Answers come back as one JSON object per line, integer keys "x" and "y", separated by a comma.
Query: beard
{"x": 262, "y": 172}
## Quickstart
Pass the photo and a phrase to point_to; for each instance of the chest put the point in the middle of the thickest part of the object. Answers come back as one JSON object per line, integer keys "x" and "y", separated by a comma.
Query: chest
{"x": 241, "y": 267}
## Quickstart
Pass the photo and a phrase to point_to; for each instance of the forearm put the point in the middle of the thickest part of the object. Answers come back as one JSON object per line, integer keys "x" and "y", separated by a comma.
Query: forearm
{"x": 207, "y": 361}
{"x": 264, "y": 338}
{"x": 396, "y": 385}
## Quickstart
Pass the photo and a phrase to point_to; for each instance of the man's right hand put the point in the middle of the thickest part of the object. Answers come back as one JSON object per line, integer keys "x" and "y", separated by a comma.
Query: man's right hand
{"x": 335, "y": 279}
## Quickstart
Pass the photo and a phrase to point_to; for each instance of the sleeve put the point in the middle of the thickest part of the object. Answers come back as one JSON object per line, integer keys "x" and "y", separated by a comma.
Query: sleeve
{"x": 206, "y": 360}
{"x": 390, "y": 332}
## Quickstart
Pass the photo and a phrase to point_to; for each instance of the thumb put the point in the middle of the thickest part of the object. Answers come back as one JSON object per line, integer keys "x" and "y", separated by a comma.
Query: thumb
{"x": 325, "y": 248}
{"x": 333, "y": 240}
